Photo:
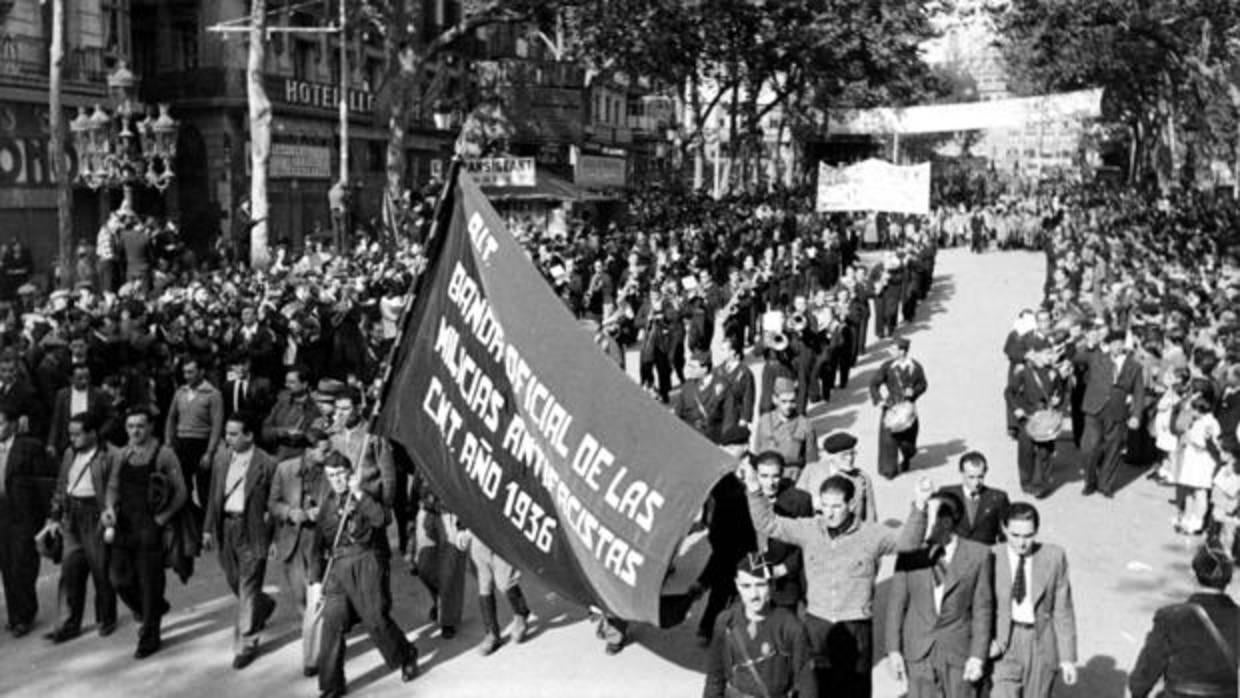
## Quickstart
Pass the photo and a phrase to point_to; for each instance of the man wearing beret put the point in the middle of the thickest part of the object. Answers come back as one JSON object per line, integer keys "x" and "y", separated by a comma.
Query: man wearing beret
{"x": 785, "y": 431}
{"x": 898, "y": 380}
{"x": 841, "y": 459}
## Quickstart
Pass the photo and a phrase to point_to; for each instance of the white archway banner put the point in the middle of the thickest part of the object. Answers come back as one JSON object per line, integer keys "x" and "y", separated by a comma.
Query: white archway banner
{"x": 992, "y": 114}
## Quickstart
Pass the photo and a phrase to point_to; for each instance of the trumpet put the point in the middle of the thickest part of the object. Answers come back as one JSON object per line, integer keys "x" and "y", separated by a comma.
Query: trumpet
{"x": 797, "y": 323}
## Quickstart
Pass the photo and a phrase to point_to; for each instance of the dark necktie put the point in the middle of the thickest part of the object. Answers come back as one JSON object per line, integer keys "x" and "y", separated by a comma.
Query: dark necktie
{"x": 970, "y": 506}
{"x": 938, "y": 567}
{"x": 1018, "y": 584}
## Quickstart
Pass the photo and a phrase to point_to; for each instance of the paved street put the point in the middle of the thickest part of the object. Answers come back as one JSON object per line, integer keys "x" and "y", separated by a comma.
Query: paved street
{"x": 1125, "y": 559}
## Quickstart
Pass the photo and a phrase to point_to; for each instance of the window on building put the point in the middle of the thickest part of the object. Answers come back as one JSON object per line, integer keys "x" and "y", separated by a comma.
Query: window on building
{"x": 376, "y": 155}
{"x": 185, "y": 39}
{"x": 115, "y": 19}
{"x": 303, "y": 59}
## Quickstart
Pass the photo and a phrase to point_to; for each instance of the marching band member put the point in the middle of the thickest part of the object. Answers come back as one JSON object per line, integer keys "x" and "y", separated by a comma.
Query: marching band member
{"x": 897, "y": 385}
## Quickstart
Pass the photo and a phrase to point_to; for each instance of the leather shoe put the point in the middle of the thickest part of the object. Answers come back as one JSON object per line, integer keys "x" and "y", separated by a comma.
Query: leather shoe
{"x": 244, "y": 660}
{"x": 409, "y": 670}
{"x": 265, "y": 613}
{"x": 63, "y": 634}
{"x": 146, "y": 649}
{"x": 613, "y": 647}
{"x": 19, "y": 629}
{"x": 1089, "y": 489}
{"x": 309, "y": 671}
{"x": 447, "y": 632}
{"x": 107, "y": 629}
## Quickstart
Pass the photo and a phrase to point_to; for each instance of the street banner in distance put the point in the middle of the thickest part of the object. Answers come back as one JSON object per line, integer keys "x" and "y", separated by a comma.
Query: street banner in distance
{"x": 545, "y": 450}
{"x": 874, "y": 185}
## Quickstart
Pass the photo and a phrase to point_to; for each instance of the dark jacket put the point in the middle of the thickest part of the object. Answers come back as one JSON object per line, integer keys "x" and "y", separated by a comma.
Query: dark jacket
{"x": 1181, "y": 651}
{"x": 257, "y": 490}
{"x": 1117, "y": 397}
{"x": 96, "y": 403}
{"x": 962, "y": 627}
{"x": 987, "y": 524}
{"x": 22, "y": 507}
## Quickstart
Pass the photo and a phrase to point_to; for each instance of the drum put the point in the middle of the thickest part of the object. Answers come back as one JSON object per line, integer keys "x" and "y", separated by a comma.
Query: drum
{"x": 900, "y": 417}
{"x": 1044, "y": 426}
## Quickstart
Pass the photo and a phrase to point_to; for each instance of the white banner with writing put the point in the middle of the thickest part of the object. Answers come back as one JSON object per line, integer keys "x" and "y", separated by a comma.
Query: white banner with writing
{"x": 874, "y": 185}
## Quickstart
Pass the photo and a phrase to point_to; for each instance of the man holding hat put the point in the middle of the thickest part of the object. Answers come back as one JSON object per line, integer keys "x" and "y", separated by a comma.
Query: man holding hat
{"x": 785, "y": 431}
{"x": 759, "y": 649}
{"x": 899, "y": 380}
{"x": 1192, "y": 646}
{"x": 841, "y": 459}
{"x": 1113, "y": 401}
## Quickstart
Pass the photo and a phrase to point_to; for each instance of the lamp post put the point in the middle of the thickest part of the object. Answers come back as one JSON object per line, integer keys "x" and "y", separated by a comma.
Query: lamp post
{"x": 131, "y": 145}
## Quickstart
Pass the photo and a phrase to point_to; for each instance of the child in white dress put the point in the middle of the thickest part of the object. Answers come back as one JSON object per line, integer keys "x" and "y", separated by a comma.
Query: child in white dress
{"x": 1199, "y": 461}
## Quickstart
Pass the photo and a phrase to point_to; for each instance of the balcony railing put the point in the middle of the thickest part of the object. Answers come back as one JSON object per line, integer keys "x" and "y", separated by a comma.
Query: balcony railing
{"x": 27, "y": 58}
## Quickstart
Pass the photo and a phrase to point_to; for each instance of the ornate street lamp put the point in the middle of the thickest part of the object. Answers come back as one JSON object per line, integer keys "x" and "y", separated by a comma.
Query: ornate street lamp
{"x": 129, "y": 146}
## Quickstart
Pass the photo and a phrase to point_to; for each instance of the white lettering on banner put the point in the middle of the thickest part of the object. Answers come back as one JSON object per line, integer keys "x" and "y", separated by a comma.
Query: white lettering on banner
{"x": 598, "y": 171}
{"x": 543, "y": 425}
{"x": 874, "y": 185}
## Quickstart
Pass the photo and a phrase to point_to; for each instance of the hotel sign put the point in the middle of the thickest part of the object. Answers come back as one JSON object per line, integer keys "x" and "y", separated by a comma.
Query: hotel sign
{"x": 301, "y": 93}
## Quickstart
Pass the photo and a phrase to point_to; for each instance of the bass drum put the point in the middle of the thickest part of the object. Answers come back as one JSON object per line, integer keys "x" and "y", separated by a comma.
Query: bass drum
{"x": 1044, "y": 426}
{"x": 900, "y": 417}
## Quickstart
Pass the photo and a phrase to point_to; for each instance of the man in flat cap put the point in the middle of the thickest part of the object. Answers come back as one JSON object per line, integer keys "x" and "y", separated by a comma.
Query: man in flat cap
{"x": 841, "y": 459}
{"x": 897, "y": 381}
{"x": 785, "y": 431}
{"x": 1112, "y": 403}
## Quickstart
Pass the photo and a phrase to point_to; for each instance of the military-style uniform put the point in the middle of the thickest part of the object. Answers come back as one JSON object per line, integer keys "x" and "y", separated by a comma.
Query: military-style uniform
{"x": 774, "y": 660}
{"x": 895, "y": 451}
{"x": 353, "y": 586}
{"x": 1183, "y": 652}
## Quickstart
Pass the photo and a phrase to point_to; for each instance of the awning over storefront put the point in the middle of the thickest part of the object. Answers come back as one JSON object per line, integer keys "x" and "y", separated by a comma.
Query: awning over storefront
{"x": 547, "y": 187}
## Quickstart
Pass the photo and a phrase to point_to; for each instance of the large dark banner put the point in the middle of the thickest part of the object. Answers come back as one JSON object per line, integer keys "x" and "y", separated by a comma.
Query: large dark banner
{"x": 543, "y": 447}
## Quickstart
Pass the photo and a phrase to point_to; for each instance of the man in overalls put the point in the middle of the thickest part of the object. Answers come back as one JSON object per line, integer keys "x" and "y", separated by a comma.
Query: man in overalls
{"x": 137, "y": 569}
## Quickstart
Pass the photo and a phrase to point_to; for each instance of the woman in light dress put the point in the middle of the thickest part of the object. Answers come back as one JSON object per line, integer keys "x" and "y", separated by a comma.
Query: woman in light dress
{"x": 1175, "y": 381}
{"x": 1199, "y": 460}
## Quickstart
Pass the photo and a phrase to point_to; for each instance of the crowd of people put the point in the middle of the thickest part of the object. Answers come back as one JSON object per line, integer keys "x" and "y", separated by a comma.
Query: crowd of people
{"x": 165, "y": 407}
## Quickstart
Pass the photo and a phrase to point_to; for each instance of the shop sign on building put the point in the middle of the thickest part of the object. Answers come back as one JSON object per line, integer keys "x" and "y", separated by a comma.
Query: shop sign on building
{"x": 502, "y": 172}
{"x": 25, "y": 148}
{"x": 297, "y": 161}
{"x": 599, "y": 171}
{"x": 302, "y": 93}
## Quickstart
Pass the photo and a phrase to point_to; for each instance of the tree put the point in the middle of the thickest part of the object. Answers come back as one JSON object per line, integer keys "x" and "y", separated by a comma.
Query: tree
{"x": 1164, "y": 66}
{"x": 408, "y": 85}
{"x": 757, "y": 56}
{"x": 56, "y": 146}
{"x": 260, "y": 136}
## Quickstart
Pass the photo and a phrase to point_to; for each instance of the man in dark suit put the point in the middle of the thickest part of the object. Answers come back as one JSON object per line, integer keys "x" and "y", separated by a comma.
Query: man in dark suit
{"x": 1113, "y": 402}
{"x": 898, "y": 380}
{"x": 784, "y": 558}
{"x": 81, "y": 512}
{"x": 940, "y": 611}
{"x": 1192, "y": 644}
{"x": 19, "y": 392}
{"x": 1034, "y": 386}
{"x": 742, "y": 391}
{"x": 700, "y": 400}
{"x": 237, "y": 518}
{"x": 243, "y": 391}
{"x": 1035, "y": 624}
{"x": 984, "y": 508}
{"x": 22, "y": 462}
{"x": 78, "y": 396}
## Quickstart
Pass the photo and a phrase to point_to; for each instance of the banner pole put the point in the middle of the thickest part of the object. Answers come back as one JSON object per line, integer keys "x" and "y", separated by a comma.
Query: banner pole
{"x": 433, "y": 247}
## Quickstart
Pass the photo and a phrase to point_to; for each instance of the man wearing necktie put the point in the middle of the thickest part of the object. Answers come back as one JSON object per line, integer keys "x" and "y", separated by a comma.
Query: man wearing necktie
{"x": 984, "y": 506}
{"x": 940, "y": 610}
{"x": 1035, "y": 624}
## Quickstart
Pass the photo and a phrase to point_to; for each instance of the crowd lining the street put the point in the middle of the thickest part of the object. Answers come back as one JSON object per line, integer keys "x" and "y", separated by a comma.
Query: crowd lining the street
{"x": 259, "y": 385}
